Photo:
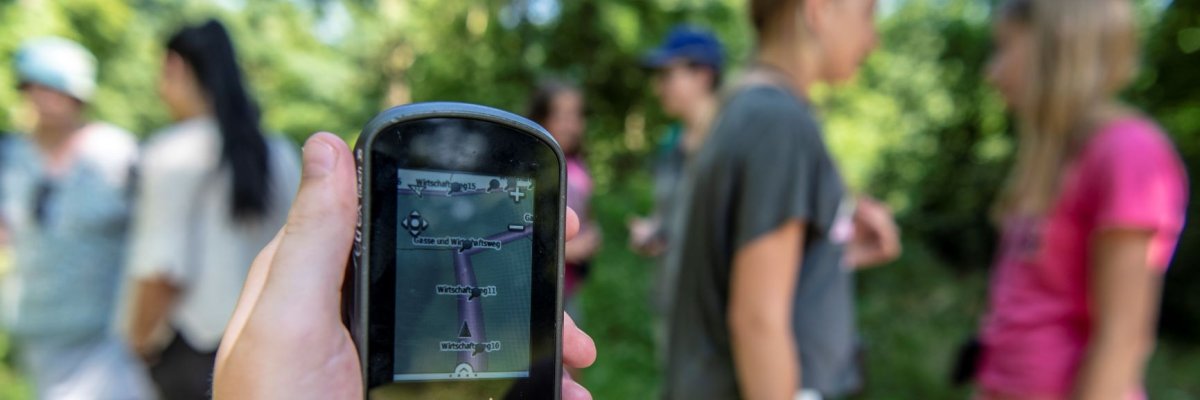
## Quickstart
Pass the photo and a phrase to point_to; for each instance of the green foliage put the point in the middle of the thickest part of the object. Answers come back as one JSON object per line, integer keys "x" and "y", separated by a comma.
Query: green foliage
{"x": 1168, "y": 91}
{"x": 922, "y": 130}
{"x": 302, "y": 84}
{"x": 12, "y": 385}
{"x": 616, "y": 308}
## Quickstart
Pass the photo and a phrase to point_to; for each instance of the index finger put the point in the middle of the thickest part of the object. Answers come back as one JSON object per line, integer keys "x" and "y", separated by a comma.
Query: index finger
{"x": 579, "y": 350}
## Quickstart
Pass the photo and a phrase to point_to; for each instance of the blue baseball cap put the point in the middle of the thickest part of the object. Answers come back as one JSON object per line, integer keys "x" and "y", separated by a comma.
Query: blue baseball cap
{"x": 689, "y": 43}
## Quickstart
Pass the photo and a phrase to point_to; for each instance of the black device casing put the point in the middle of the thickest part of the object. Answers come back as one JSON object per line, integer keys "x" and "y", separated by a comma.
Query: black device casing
{"x": 356, "y": 290}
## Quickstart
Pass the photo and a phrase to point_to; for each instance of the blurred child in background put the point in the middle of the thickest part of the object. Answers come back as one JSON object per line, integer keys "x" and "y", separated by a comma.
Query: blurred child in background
{"x": 65, "y": 205}
{"x": 767, "y": 238}
{"x": 687, "y": 74}
{"x": 1091, "y": 213}
{"x": 214, "y": 190}
{"x": 559, "y": 108}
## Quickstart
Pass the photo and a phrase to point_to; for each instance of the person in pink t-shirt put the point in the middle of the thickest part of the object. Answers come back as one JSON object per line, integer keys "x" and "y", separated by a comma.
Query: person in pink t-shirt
{"x": 1090, "y": 217}
{"x": 559, "y": 107}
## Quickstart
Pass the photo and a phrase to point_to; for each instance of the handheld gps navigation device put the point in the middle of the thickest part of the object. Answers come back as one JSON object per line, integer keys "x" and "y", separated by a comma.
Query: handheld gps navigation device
{"x": 458, "y": 255}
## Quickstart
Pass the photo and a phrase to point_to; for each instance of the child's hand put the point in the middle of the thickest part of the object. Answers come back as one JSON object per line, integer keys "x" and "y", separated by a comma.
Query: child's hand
{"x": 643, "y": 237}
{"x": 876, "y": 237}
{"x": 286, "y": 339}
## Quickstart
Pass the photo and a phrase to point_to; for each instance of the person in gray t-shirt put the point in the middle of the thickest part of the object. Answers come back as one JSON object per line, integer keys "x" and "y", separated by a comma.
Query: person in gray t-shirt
{"x": 768, "y": 233}
{"x": 740, "y": 190}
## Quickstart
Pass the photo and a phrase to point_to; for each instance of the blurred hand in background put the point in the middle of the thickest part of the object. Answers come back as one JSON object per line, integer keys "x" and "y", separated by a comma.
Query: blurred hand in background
{"x": 876, "y": 237}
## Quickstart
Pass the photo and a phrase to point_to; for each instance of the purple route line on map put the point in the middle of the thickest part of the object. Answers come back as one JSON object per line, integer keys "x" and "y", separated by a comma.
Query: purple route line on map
{"x": 470, "y": 311}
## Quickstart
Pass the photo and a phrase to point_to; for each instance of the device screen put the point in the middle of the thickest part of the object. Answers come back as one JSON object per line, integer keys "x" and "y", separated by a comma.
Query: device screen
{"x": 463, "y": 233}
{"x": 464, "y": 257}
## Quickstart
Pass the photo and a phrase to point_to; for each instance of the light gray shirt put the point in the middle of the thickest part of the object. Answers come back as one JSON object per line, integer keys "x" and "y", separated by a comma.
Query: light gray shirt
{"x": 67, "y": 261}
{"x": 184, "y": 230}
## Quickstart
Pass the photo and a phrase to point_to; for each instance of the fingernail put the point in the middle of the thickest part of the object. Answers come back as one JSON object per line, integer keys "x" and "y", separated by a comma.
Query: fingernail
{"x": 591, "y": 341}
{"x": 318, "y": 158}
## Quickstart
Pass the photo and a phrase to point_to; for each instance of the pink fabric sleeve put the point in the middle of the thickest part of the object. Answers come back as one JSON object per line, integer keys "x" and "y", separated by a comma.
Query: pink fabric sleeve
{"x": 1142, "y": 185}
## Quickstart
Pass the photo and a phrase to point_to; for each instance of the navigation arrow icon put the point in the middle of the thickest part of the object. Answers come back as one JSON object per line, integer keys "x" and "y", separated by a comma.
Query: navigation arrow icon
{"x": 465, "y": 332}
{"x": 415, "y": 223}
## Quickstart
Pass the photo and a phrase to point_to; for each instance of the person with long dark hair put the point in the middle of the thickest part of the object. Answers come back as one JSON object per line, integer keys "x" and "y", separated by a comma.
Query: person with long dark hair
{"x": 559, "y": 107}
{"x": 213, "y": 191}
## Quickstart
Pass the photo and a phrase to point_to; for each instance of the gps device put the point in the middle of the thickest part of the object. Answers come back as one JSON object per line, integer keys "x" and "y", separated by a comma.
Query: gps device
{"x": 458, "y": 255}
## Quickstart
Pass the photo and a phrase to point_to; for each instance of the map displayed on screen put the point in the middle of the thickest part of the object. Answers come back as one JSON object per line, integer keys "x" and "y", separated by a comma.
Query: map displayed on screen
{"x": 463, "y": 276}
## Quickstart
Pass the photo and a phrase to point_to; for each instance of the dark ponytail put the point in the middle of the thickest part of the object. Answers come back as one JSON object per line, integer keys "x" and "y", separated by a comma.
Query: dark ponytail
{"x": 208, "y": 49}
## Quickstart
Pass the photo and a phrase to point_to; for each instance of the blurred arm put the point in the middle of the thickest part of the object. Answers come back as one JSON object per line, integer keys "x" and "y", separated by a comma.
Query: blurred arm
{"x": 6, "y": 261}
{"x": 1124, "y": 299}
{"x": 159, "y": 241}
{"x": 152, "y": 303}
{"x": 760, "y": 313}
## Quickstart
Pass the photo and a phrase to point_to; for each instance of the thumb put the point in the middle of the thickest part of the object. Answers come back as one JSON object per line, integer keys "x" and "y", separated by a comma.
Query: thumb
{"x": 310, "y": 263}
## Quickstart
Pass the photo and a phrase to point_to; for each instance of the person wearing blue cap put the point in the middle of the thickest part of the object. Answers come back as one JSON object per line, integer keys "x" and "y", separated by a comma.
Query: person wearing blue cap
{"x": 687, "y": 68}
{"x": 65, "y": 209}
